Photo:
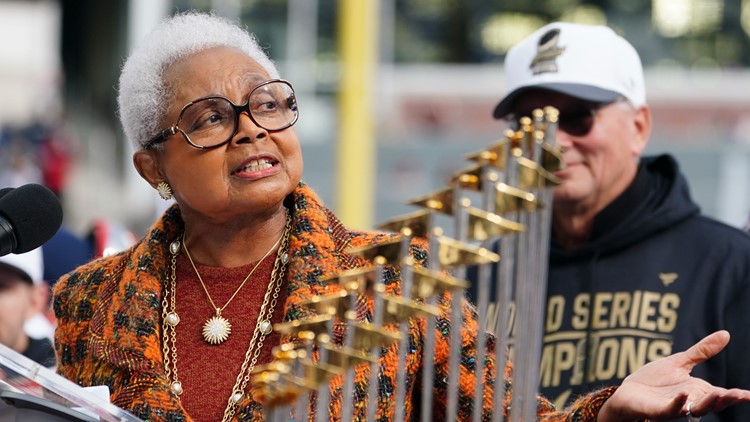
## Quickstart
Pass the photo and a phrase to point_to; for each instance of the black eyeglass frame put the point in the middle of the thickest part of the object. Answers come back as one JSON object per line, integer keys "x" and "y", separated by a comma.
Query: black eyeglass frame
{"x": 165, "y": 134}
{"x": 591, "y": 107}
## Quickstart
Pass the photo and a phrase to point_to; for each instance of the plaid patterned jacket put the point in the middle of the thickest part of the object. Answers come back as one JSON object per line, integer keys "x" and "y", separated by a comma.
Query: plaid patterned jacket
{"x": 109, "y": 324}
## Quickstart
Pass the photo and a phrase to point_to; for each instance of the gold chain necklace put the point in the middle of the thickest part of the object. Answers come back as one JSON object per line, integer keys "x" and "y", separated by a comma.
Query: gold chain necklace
{"x": 170, "y": 319}
{"x": 217, "y": 328}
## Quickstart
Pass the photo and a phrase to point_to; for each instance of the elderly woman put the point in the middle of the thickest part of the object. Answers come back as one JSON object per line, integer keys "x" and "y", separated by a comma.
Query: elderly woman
{"x": 175, "y": 324}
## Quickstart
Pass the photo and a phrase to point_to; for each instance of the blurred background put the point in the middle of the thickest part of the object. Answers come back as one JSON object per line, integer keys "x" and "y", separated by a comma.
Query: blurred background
{"x": 437, "y": 74}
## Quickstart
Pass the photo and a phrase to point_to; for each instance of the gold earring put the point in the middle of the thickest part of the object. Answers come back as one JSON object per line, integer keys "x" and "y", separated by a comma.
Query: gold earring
{"x": 164, "y": 190}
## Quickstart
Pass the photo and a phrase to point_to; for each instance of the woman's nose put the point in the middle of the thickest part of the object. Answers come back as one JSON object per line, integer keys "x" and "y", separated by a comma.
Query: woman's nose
{"x": 247, "y": 129}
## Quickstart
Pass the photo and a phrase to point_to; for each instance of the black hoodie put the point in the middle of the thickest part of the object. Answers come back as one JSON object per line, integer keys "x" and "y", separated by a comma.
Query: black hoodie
{"x": 655, "y": 278}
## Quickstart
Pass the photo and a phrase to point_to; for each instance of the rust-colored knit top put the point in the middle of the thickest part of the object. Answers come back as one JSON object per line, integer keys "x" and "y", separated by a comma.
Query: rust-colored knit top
{"x": 207, "y": 371}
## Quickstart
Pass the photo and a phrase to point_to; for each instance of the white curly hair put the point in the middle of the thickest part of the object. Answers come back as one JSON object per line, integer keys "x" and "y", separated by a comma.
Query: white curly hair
{"x": 142, "y": 91}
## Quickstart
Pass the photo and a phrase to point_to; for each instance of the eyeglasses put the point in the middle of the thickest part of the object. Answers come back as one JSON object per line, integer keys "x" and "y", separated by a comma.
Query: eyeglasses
{"x": 576, "y": 120}
{"x": 210, "y": 122}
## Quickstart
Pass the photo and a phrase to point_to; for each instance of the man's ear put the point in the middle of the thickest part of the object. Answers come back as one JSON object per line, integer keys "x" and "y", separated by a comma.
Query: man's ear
{"x": 642, "y": 122}
{"x": 146, "y": 162}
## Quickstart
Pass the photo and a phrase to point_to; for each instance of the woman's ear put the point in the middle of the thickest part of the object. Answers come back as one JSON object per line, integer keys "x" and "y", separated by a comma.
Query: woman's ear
{"x": 146, "y": 163}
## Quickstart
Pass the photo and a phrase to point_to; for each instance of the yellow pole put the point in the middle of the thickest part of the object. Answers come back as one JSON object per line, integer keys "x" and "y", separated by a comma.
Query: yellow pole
{"x": 356, "y": 159}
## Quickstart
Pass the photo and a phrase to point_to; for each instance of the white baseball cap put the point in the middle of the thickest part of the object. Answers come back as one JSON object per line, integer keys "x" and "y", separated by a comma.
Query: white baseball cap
{"x": 29, "y": 265}
{"x": 584, "y": 61}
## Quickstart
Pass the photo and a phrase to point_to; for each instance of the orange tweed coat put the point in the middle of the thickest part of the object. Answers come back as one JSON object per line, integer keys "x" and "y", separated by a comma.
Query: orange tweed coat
{"x": 109, "y": 323}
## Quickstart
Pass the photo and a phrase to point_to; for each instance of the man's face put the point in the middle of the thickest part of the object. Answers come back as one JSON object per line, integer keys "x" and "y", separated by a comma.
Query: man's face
{"x": 16, "y": 306}
{"x": 600, "y": 163}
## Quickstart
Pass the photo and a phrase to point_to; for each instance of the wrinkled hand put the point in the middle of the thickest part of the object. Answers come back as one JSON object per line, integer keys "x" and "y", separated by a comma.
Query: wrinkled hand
{"x": 663, "y": 388}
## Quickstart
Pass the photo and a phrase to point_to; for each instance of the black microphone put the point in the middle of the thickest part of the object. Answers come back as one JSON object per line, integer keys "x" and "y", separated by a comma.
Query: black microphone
{"x": 29, "y": 216}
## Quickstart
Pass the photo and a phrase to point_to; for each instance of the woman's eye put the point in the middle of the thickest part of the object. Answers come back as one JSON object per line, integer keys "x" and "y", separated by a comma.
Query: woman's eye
{"x": 207, "y": 120}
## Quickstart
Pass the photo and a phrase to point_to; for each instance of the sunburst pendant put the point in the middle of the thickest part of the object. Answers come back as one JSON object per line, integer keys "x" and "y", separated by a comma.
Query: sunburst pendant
{"x": 216, "y": 329}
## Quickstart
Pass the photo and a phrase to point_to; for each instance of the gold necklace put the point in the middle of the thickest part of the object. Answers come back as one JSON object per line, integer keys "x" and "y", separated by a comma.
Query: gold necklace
{"x": 170, "y": 319}
{"x": 217, "y": 328}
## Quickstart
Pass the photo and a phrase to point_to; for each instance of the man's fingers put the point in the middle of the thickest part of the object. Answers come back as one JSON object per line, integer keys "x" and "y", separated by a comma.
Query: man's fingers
{"x": 707, "y": 348}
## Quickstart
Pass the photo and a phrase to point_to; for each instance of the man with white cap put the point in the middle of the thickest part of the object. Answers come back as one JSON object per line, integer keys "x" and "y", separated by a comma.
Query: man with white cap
{"x": 635, "y": 272}
{"x": 20, "y": 280}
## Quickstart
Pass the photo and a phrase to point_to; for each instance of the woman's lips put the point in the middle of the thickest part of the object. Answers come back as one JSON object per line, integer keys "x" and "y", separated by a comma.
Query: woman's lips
{"x": 256, "y": 165}
{"x": 257, "y": 168}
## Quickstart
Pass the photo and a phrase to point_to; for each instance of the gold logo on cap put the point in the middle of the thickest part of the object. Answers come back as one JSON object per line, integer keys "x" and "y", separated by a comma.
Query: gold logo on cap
{"x": 546, "y": 53}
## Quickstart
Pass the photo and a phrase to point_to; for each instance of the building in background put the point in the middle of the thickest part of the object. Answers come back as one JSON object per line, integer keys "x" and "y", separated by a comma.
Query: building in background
{"x": 439, "y": 77}
{"x": 30, "y": 61}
